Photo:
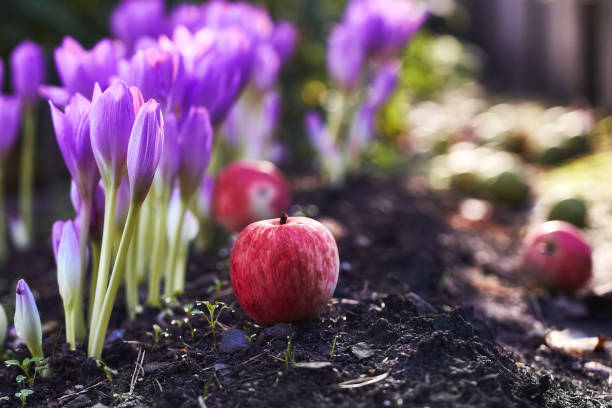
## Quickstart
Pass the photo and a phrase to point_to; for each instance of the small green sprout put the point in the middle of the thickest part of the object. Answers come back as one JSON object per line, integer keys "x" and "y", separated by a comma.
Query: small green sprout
{"x": 25, "y": 367}
{"x": 213, "y": 315}
{"x": 107, "y": 370}
{"x": 158, "y": 333}
{"x": 289, "y": 353}
{"x": 202, "y": 398}
{"x": 333, "y": 348}
{"x": 216, "y": 287}
{"x": 4, "y": 398}
{"x": 250, "y": 337}
{"x": 336, "y": 319}
{"x": 23, "y": 396}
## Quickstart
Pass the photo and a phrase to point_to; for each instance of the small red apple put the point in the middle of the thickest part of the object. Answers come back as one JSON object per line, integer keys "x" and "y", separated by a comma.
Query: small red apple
{"x": 284, "y": 270}
{"x": 557, "y": 254}
{"x": 247, "y": 191}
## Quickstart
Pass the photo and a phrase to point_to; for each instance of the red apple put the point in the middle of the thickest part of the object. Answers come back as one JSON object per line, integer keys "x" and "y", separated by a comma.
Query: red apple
{"x": 247, "y": 191}
{"x": 284, "y": 270}
{"x": 557, "y": 254}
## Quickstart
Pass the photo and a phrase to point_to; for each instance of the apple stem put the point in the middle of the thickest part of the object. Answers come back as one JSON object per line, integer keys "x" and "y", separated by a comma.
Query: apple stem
{"x": 283, "y": 218}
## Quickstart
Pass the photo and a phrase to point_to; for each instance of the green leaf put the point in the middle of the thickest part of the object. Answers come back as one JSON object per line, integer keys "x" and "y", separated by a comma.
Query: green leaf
{"x": 36, "y": 359}
{"x": 12, "y": 363}
{"x": 20, "y": 378}
{"x": 26, "y": 361}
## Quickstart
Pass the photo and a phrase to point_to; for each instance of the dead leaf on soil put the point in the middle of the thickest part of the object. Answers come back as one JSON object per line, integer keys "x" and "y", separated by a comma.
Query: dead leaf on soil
{"x": 573, "y": 342}
{"x": 601, "y": 369}
{"x": 361, "y": 382}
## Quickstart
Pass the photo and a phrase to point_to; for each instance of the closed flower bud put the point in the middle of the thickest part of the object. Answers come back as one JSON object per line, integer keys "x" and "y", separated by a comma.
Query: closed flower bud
{"x": 134, "y": 19}
{"x": 68, "y": 265}
{"x": 145, "y": 149}
{"x": 284, "y": 39}
{"x": 27, "y": 70}
{"x": 112, "y": 116}
{"x": 10, "y": 115}
{"x": 56, "y": 236}
{"x": 123, "y": 203}
{"x": 267, "y": 66}
{"x": 27, "y": 319}
{"x": 345, "y": 56}
{"x": 195, "y": 141}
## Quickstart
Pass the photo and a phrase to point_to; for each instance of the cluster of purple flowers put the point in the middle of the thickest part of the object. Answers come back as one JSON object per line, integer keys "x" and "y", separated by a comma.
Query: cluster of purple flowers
{"x": 362, "y": 60}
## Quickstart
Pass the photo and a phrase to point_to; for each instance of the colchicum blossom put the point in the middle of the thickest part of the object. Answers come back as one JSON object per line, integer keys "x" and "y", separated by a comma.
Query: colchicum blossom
{"x": 10, "y": 116}
{"x": 27, "y": 70}
{"x": 27, "y": 319}
{"x": 112, "y": 116}
{"x": 80, "y": 69}
{"x": 195, "y": 141}
{"x": 145, "y": 150}
{"x": 344, "y": 57}
{"x": 134, "y": 19}
{"x": 69, "y": 274}
{"x": 123, "y": 203}
{"x": 284, "y": 40}
{"x": 96, "y": 221}
{"x": 73, "y": 138}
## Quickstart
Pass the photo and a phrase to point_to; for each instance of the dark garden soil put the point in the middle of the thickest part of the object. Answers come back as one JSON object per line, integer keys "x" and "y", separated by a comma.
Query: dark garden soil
{"x": 428, "y": 312}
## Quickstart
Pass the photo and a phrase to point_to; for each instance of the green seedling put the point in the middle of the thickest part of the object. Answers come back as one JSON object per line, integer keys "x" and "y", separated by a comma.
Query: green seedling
{"x": 23, "y": 396}
{"x": 202, "y": 398}
{"x": 333, "y": 348}
{"x": 215, "y": 287}
{"x": 289, "y": 353}
{"x": 107, "y": 370}
{"x": 158, "y": 333}
{"x": 250, "y": 337}
{"x": 214, "y": 312}
{"x": 25, "y": 367}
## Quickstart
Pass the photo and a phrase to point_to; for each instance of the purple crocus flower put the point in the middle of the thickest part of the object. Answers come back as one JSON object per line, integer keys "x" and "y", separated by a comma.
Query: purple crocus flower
{"x": 10, "y": 114}
{"x": 157, "y": 74}
{"x": 171, "y": 155}
{"x": 145, "y": 150}
{"x": 195, "y": 141}
{"x": 383, "y": 84}
{"x": 319, "y": 135}
{"x": 188, "y": 15}
{"x": 56, "y": 235}
{"x": 96, "y": 223}
{"x": 73, "y": 137}
{"x": 383, "y": 27}
{"x": 284, "y": 40}
{"x": 362, "y": 129}
{"x": 79, "y": 69}
{"x": 345, "y": 56}
{"x": 267, "y": 67}
{"x": 123, "y": 203}
{"x": 27, "y": 319}
{"x": 204, "y": 196}
{"x": 220, "y": 74}
{"x": 254, "y": 21}
{"x": 134, "y": 19}
{"x": 112, "y": 116}
{"x": 1, "y": 73}
{"x": 27, "y": 70}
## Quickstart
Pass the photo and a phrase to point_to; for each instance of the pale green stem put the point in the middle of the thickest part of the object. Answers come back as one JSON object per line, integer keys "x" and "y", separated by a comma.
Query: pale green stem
{"x": 26, "y": 173}
{"x": 336, "y": 118}
{"x": 181, "y": 267}
{"x": 131, "y": 276}
{"x": 3, "y": 244}
{"x": 95, "y": 263}
{"x": 70, "y": 326}
{"x": 105, "y": 256}
{"x": 101, "y": 326}
{"x": 174, "y": 250}
{"x": 145, "y": 237}
{"x": 159, "y": 249}
{"x": 79, "y": 318}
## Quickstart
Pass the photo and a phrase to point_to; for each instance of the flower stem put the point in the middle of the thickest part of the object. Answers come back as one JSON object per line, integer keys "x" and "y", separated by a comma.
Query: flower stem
{"x": 26, "y": 173}
{"x": 105, "y": 255}
{"x": 70, "y": 326}
{"x": 175, "y": 245}
{"x": 131, "y": 274}
{"x": 95, "y": 263}
{"x": 101, "y": 326}
{"x": 159, "y": 249}
{"x": 145, "y": 235}
{"x": 79, "y": 318}
{"x": 3, "y": 244}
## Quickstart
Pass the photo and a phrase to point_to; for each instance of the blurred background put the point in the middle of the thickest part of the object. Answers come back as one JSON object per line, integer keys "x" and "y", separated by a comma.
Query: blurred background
{"x": 490, "y": 73}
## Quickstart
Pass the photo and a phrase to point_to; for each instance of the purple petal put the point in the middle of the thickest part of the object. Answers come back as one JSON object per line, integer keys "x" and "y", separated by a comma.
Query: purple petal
{"x": 27, "y": 70}
{"x": 344, "y": 56}
{"x": 59, "y": 96}
{"x": 195, "y": 141}
{"x": 112, "y": 116}
{"x": 27, "y": 319}
{"x": 123, "y": 203}
{"x": 10, "y": 118}
{"x": 267, "y": 67}
{"x": 171, "y": 155}
{"x": 133, "y": 19}
{"x": 56, "y": 235}
{"x": 284, "y": 39}
{"x": 145, "y": 149}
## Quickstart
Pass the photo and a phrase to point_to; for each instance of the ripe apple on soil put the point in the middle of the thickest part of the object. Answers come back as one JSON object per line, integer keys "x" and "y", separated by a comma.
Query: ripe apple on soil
{"x": 284, "y": 270}
{"x": 557, "y": 254}
{"x": 247, "y": 191}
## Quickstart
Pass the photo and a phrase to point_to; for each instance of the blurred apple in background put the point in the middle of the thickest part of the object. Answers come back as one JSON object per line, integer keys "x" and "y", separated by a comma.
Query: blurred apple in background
{"x": 247, "y": 191}
{"x": 557, "y": 255}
